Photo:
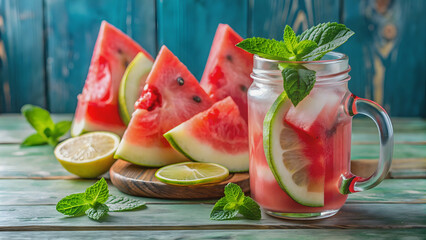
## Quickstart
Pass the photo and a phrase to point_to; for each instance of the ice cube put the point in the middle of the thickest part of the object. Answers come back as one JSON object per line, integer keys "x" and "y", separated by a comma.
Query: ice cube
{"x": 320, "y": 106}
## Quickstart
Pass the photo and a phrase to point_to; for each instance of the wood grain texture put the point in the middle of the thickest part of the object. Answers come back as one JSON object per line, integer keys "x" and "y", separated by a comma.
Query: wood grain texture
{"x": 400, "y": 168}
{"x": 139, "y": 181}
{"x": 22, "y": 70}
{"x": 49, "y": 192}
{"x": 196, "y": 217}
{"x": 401, "y": 151}
{"x": 72, "y": 29}
{"x": 270, "y": 234}
{"x": 24, "y": 162}
{"x": 386, "y": 53}
{"x": 187, "y": 27}
{"x": 268, "y": 18}
{"x": 32, "y": 192}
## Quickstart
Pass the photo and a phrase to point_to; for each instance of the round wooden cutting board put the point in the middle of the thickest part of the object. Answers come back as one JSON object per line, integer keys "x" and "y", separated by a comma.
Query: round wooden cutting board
{"x": 140, "y": 181}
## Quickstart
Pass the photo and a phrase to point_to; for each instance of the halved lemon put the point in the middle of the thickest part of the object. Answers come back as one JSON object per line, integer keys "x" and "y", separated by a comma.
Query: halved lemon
{"x": 294, "y": 157}
{"x": 88, "y": 155}
{"x": 192, "y": 173}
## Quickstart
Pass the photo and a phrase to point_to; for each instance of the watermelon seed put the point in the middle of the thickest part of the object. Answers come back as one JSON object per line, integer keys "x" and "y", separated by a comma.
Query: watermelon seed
{"x": 180, "y": 81}
{"x": 229, "y": 57}
{"x": 197, "y": 99}
{"x": 243, "y": 88}
{"x": 126, "y": 63}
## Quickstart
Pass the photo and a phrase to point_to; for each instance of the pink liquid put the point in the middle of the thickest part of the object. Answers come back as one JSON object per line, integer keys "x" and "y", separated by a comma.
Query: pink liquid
{"x": 331, "y": 128}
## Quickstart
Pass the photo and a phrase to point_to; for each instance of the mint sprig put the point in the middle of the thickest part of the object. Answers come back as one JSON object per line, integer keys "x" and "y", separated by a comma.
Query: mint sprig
{"x": 47, "y": 130}
{"x": 96, "y": 202}
{"x": 311, "y": 45}
{"x": 235, "y": 202}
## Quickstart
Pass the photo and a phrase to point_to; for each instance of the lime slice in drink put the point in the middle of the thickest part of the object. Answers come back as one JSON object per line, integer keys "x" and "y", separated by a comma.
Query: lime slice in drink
{"x": 192, "y": 173}
{"x": 131, "y": 85}
{"x": 88, "y": 155}
{"x": 293, "y": 156}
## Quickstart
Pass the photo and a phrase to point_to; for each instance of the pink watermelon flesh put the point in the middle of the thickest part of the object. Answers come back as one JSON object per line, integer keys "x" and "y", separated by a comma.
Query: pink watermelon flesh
{"x": 98, "y": 103}
{"x": 228, "y": 68}
{"x": 221, "y": 127}
{"x": 171, "y": 96}
{"x": 218, "y": 135}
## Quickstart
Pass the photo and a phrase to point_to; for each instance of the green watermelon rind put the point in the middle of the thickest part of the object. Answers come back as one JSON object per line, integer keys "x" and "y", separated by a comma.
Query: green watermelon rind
{"x": 171, "y": 139}
{"x": 130, "y": 148}
{"x": 268, "y": 140}
{"x": 140, "y": 62}
{"x": 175, "y": 145}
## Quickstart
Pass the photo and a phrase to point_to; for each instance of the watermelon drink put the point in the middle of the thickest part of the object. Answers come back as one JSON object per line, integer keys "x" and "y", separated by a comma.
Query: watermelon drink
{"x": 300, "y": 156}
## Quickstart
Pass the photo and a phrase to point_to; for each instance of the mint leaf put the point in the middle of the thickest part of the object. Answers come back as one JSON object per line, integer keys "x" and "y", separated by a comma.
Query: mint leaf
{"x": 34, "y": 139}
{"x": 120, "y": 204}
{"x": 41, "y": 121}
{"x": 304, "y": 47}
{"x": 73, "y": 205}
{"x": 98, "y": 192}
{"x": 98, "y": 211}
{"x": 220, "y": 213}
{"x": 328, "y": 37}
{"x": 38, "y": 118}
{"x": 96, "y": 202}
{"x": 61, "y": 128}
{"x": 298, "y": 82}
{"x": 233, "y": 193}
{"x": 250, "y": 209}
{"x": 233, "y": 203}
{"x": 266, "y": 48}
{"x": 290, "y": 38}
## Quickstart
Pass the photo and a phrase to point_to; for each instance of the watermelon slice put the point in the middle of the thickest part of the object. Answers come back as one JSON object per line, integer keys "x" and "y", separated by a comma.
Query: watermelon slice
{"x": 228, "y": 68}
{"x": 296, "y": 159}
{"x": 220, "y": 135}
{"x": 171, "y": 96}
{"x": 97, "y": 107}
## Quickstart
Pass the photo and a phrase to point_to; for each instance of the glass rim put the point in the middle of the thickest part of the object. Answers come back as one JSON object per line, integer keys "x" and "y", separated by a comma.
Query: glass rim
{"x": 340, "y": 57}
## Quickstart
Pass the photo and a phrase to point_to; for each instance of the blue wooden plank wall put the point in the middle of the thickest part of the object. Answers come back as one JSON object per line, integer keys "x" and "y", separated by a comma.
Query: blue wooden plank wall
{"x": 46, "y": 45}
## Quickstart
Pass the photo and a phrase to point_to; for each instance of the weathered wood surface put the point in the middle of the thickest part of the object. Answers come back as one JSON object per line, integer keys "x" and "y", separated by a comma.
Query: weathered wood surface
{"x": 140, "y": 181}
{"x": 22, "y": 60}
{"x": 196, "y": 217}
{"x": 32, "y": 182}
{"x": 386, "y": 54}
{"x": 187, "y": 28}
{"x": 42, "y": 192}
{"x": 270, "y": 234}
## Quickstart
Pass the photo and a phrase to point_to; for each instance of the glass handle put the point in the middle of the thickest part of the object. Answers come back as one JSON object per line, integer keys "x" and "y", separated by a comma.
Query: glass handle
{"x": 356, "y": 105}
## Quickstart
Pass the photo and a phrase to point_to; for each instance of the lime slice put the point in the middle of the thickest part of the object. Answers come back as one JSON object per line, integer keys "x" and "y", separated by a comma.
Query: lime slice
{"x": 131, "y": 85}
{"x": 88, "y": 155}
{"x": 285, "y": 149}
{"x": 192, "y": 173}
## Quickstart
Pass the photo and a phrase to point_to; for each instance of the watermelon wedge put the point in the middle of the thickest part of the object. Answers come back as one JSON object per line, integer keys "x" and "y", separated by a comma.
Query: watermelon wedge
{"x": 97, "y": 108}
{"x": 217, "y": 135}
{"x": 171, "y": 96}
{"x": 228, "y": 68}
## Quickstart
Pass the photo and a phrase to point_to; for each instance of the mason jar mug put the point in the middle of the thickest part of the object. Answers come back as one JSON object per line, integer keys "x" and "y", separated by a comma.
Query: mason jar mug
{"x": 304, "y": 171}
